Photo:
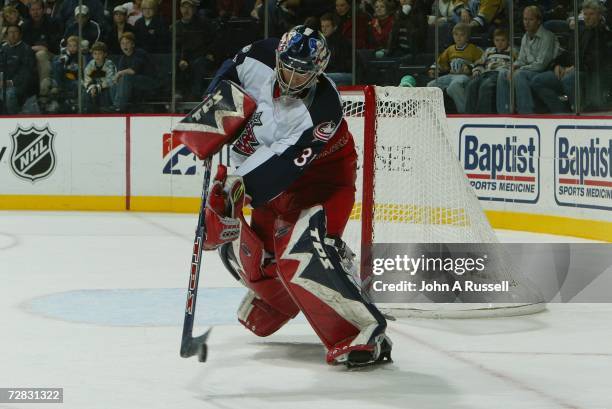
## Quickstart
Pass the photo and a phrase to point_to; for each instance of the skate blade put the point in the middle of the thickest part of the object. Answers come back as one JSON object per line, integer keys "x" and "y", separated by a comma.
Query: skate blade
{"x": 384, "y": 359}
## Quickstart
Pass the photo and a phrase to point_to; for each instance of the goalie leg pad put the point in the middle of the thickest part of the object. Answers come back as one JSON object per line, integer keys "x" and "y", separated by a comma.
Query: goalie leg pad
{"x": 312, "y": 272}
{"x": 260, "y": 317}
{"x": 260, "y": 278}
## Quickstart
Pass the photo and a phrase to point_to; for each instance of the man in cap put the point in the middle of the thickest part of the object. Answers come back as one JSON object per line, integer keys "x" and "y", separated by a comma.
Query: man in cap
{"x": 90, "y": 30}
{"x": 66, "y": 10}
{"x": 195, "y": 41}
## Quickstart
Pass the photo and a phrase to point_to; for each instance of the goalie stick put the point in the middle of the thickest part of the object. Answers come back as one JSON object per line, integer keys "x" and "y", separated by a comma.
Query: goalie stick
{"x": 191, "y": 345}
{"x": 214, "y": 123}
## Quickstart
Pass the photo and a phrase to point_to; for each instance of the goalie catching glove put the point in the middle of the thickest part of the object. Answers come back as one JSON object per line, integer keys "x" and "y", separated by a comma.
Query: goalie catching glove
{"x": 223, "y": 214}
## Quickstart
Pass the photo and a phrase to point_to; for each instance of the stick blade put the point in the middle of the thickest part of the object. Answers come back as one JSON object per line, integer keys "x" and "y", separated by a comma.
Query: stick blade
{"x": 196, "y": 346}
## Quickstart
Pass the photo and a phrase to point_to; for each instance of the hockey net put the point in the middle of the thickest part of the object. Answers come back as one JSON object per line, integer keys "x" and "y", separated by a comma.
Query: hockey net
{"x": 411, "y": 188}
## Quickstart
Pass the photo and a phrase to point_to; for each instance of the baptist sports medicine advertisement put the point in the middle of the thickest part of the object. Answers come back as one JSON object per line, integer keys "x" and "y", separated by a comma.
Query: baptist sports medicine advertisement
{"x": 583, "y": 166}
{"x": 502, "y": 162}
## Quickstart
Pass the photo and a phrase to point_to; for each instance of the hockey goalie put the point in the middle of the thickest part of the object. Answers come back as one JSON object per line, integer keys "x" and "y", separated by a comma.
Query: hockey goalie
{"x": 295, "y": 166}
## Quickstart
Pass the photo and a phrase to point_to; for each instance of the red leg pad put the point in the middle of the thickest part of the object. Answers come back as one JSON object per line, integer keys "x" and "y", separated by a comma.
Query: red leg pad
{"x": 259, "y": 317}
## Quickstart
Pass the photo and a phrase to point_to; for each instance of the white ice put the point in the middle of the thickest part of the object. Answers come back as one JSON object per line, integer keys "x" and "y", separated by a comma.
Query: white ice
{"x": 93, "y": 303}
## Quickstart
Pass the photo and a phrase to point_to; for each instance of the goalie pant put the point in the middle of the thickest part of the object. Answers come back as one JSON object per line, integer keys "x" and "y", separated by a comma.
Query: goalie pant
{"x": 307, "y": 274}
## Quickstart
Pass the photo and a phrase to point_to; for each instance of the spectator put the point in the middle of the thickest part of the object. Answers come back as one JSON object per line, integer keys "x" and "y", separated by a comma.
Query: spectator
{"x": 134, "y": 11}
{"x": 52, "y": 10}
{"x": 90, "y": 29}
{"x": 21, "y": 6}
{"x": 257, "y": 9}
{"x": 43, "y": 35}
{"x": 555, "y": 15}
{"x": 344, "y": 22}
{"x": 18, "y": 72}
{"x": 66, "y": 69}
{"x": 135, "y": 76}
{"x": 380, "y": 26}
{"x": 151, "y": 32}
{"x": 194, "y": 48}
{"x": 98, "y": 79}
{"x": 551, "y": 86}
{"x": 480, "y": 91}
{"x": 409, "y": 34}
{"x": 95, "y": 11}
{"x": 447, "y": 12}
{"x": 339, "y": 66}
{"x": 283, "y": 15}
{"x": 10, "y": 17}
{"x": 538, "y": 49}
{"x": 120, "y": 26}
{"x": 457, "y": 60}
{"x": 229, "y": 8}
{"x": 480, "y": 14}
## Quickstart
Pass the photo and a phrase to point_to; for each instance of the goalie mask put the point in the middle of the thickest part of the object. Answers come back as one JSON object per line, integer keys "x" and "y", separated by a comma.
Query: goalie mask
{"x": 301, "y": 57}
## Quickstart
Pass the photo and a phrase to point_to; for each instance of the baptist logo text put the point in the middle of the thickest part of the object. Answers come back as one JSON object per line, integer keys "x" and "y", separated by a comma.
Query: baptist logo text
{"x": 592, "y": 159}
{"x": 510, "y": 156}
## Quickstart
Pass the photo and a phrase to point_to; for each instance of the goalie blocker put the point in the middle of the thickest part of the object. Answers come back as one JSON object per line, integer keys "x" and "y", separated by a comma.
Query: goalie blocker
{"x": 217, "y": 120}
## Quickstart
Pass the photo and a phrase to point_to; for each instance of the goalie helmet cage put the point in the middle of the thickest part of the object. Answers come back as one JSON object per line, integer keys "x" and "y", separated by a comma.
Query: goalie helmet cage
{"x": 413, "y": 189}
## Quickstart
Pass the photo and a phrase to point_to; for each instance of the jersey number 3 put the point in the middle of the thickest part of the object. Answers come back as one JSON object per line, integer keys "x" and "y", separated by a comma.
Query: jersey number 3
{"x": 303, "y": 159}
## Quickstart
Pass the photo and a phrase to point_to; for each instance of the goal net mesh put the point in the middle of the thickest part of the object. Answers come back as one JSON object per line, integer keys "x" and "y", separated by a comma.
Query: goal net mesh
{"x": 420, "y": 194}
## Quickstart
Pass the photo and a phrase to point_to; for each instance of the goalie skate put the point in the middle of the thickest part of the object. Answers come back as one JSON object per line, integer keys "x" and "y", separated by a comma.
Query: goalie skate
{"x": 366, "y": 355}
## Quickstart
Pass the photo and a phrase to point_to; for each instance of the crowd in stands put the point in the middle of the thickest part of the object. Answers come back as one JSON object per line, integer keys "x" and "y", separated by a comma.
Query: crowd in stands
{"x": 59, "y": 57}
{"x": 112, "y": 55}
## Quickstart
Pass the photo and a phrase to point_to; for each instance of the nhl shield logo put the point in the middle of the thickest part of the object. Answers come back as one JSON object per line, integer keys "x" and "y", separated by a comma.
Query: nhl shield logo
{"x": 33, "y": 157}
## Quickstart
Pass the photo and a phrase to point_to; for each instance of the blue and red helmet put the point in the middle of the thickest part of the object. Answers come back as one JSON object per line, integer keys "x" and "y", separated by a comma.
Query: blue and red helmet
{"x": 302, "y": 51}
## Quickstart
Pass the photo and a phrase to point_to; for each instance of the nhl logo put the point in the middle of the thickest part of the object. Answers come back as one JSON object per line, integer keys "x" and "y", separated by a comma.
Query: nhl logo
{"x": 32, "y": 157}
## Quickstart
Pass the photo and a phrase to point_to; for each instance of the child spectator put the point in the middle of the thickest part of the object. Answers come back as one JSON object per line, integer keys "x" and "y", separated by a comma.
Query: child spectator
{"x": 135, "y": 76}
{"x": 151, "y": 32}
{"x": 457, "y": 61}
{"x": 99, "y": 77}
{"x": 480, "y": 91}
{"x": 18, "y": 71}
{"x": 380, "y": 26}
{"x": 409, "y": 34}
{"x": 120, "y": 26}
{"x": 65, "y": 69}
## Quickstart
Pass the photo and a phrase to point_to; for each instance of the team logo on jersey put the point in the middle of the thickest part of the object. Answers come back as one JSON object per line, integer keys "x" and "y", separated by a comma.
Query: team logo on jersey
{"x": 323, "y": 132}
{"x": 247, "y": 143}
{"x": 177, "y": 158}
{"x": 32, "y": 157}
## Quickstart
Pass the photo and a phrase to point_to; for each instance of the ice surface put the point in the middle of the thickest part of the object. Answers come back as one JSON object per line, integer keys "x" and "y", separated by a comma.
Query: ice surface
{"x": 92, "y": 302}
